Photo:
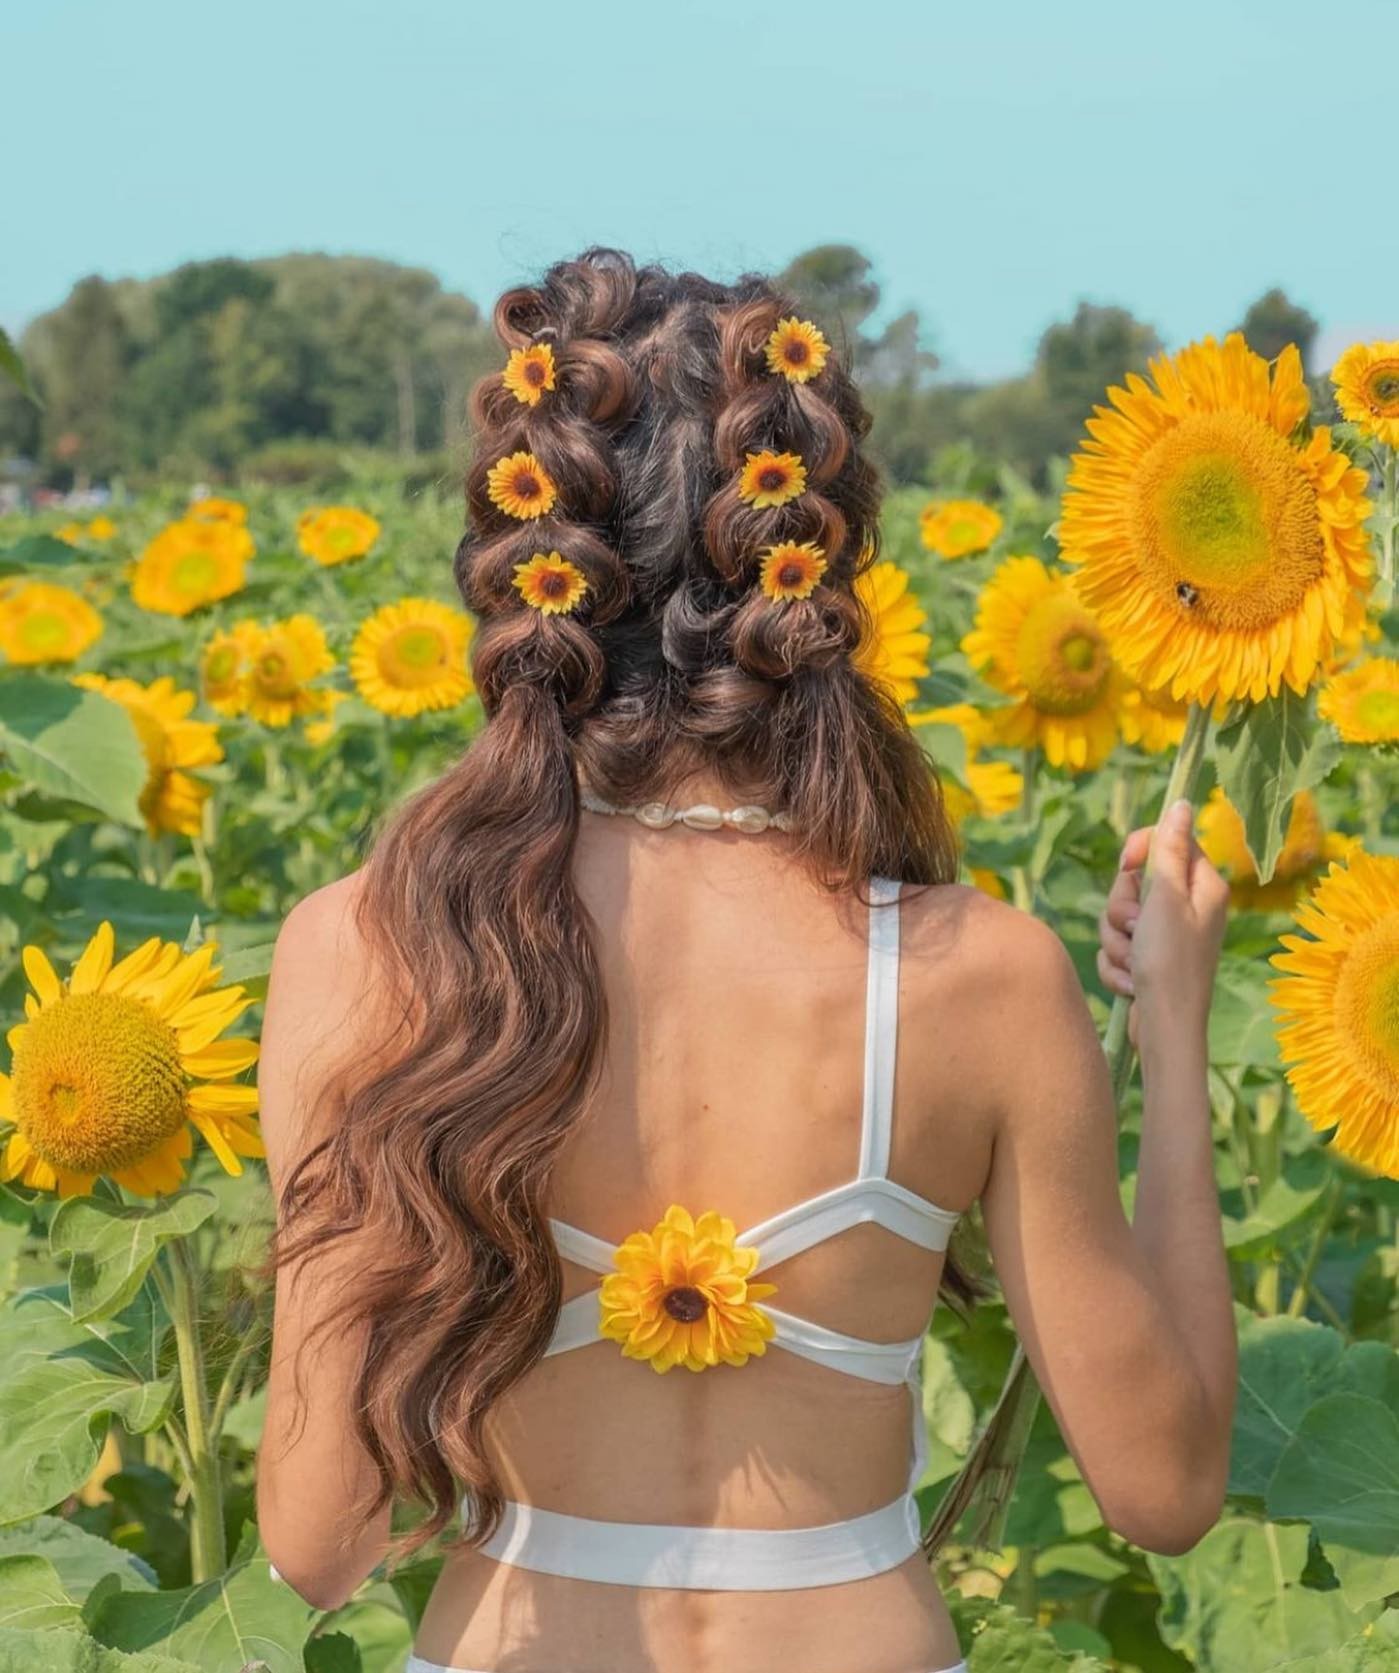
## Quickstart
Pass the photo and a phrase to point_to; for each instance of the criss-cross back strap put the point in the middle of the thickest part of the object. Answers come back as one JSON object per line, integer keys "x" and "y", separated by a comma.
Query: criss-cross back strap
{"x": 881, "y": 1028}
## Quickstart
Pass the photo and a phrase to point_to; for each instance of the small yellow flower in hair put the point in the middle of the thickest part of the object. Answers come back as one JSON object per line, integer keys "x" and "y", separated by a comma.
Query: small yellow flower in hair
{"x": 521, "y": 487}
{"x": 791, "y": 570}
{"x": 797, "y": 350}
{"x": 549, "y": 583}
{"x": 772, "y": 479}
{"x": 529, "y": 372}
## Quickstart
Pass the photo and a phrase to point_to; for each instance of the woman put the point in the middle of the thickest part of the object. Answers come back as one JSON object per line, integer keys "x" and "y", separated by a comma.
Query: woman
{"x": 617, "y": 1152}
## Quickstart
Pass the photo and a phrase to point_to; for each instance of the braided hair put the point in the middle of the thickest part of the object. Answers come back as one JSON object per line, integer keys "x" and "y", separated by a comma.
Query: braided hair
{"x": 626, "y": 515}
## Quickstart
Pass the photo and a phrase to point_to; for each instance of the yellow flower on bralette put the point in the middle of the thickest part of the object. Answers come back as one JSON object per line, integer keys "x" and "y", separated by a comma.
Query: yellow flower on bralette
{"x": 113, "y": 1066}
{"x": 529, "y": 373}
{"x": 1363, "y": 703}
{"x": 797, "y": 350}
{"x": 549, "y": 583}
{"x": 1306, "y": 849}
{"x": 791, "y": 569}
{"x": 520, "y": 487}
{"x": 1367, "y": 389}
{"x": 1222, "y": 547}
{"x": 957, "y": 528}
{"x": 683, "y": 1295}
{"x": 770, "y": 479}
{"x": 410, "y": 657}
{"x": 333, "y": 534}
{"x": 1338, "y": 1005}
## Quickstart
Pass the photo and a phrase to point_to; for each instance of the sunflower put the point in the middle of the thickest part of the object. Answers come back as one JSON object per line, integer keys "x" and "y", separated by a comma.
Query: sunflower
{"x": 211, "y": 509}
{"x": 332, "y": 534}
{"x": 1037, "y": 641}
{"x": 893, "y": 652}
{"x": 411, "y": 656}
{"x": 956, "y": 528}
{"x": 1222, "y": 550}
{"x": 682, "y": 1296}
{"x": 1338, "y": 1005}
{"x": 43, "y": 622}
{"x": 549, "y": 583}
{"x": 101, "y": 528}
{"x": 1307, "y": 846}
{"x": 769, "y": 479}
{"x": 189, "y": 564}
{"x": 1367, "y": 389}
{"x": 990, "y": 787}
{"x": 113, "y": 1067}
{"x": 987, "y": 882}
{"x": 1152, "y": 720}
{"x": 797, "y": 350}
{"x": 282, "y": 659}
{"x": 1363, "y": 703}
{"x": 520, "y": 487}
{"x": 529, "y": 373}
{"x": 170, "y": 800}
{"x": 69, "y": 533}
{"x": 791, "y": 570}
{"x": 223, "y": 667}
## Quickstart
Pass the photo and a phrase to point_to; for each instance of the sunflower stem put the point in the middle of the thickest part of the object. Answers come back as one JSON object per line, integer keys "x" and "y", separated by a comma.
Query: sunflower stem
{"x": 1387, "y": 522}
{"x": 1029, "y": 760}
{"x": 207, "y": 1550}
{"x": 1297, "y": 1302}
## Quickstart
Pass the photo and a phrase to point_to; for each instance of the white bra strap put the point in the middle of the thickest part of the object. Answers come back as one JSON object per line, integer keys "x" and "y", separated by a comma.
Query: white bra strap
{"x": 875, "y": 1362}
{"x": 582, "y": 1247}
{"x": 881, "y": 1028}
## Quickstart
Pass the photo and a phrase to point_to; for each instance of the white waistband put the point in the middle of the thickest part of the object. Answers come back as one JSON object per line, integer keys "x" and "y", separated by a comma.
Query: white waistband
{"x": 706, "y": 1559}
{"x": 416, "y": 1664}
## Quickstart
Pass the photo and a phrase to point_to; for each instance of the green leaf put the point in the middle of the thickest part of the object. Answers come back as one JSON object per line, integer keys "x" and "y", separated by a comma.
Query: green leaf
{"x": 1281, "y": 1210}
{"x": 1374, "y": 1649}
{"x": 13, "y": 367}
{"x": 139, "y": 908}
{"x": 33, "y": 1596}
{"x": 1242, "y": 1021}
{"x": 946, "y": 746}
{"x": 111, "y": 1245}
{"x": 1340, "y": 1472}
{"x": 1004, "y": 1642}
{"x": 1273, "y": 750}
{"x": 248, "y": 964}
{"x": 333, "y": 1652}
{"x": 244, "y": 1615}
{"x": 38, "y": 1325}
{"x": 80, "y": 1558}
{"x": 65, "y": 1651}
{"x": 1235, "y": 1604}
{"x": 37, "y": 551}
{"x": 72, "y": 743}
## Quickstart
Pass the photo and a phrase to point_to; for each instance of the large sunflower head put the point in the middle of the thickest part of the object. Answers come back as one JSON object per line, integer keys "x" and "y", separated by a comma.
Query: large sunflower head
{"x": 683, "y": 1295}
{"x": 1037, "y": 641}
{"x": 171, "y": 799}
{"x": 519, "y": 486}
{"x": 893, "y": 650}
{"x": 332, "y": 534}
{"x": 189, "y": 564}
{"x": 43, "y": 622}
{"x": 281, "y": 661}
{"x": 529, "y": 373}
{"x": 1363, "y": 703}
{"x": 1338, "y": 1005}
{"x": 113, "y": 1066}
{"x": 1307, "y": 846}
{"x": 771, "y": 479}
{"x": 411, "y": 656}
{"x": 1223, "y": 552}
{"x": 1367, "y": 389}
{"x": 797, "y": 350}
{"x": 223, "y": 667}
{"x": 957, "y": 528}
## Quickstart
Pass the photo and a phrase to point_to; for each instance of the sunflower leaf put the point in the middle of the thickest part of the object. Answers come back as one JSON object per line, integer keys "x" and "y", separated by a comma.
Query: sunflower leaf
{"x": 38, "y": 551}
{"x": 72, "y": 743}
{"x": 63, "y": 1650}
{"x": 1264, "y": 757}
{"x": 111, "y": 1245}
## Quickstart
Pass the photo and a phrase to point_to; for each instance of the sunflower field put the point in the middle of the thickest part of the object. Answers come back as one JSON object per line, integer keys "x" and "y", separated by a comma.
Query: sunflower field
{"x": 205, "y": 705}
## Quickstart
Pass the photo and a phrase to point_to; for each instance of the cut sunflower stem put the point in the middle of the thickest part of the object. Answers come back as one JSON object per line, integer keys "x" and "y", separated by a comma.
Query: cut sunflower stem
{"x": 208, "y": 1551}
{"x": 987, "y": 1478}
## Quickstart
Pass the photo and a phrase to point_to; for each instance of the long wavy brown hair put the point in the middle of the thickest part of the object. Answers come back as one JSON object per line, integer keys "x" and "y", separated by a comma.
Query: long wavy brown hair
{"x": 674, "y": 661}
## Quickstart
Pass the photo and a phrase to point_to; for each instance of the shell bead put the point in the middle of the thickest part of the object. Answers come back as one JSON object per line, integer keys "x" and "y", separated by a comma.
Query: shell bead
{"x": 753, "y": 821}
{"x": 655, "y": 815}
{"x": 704, "y": 816}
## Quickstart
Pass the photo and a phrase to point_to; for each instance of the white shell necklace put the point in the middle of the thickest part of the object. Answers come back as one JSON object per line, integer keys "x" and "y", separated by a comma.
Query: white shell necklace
{"x": 703, "y": 816}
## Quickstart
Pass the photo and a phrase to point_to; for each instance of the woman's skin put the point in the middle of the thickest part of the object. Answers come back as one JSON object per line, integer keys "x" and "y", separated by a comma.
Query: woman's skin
{"x": 733, "y": 1080}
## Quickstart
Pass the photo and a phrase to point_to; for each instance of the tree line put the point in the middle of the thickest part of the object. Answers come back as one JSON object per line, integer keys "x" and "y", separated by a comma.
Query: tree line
{"x": 226, "y": 368}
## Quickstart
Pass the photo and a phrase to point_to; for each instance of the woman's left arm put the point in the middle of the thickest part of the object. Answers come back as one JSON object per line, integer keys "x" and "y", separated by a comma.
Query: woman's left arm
{"x": 314, "y": 1478}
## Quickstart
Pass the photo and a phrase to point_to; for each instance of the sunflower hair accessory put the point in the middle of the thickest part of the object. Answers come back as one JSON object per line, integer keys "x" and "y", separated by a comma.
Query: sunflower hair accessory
{"x": 520, "y": 487}
{"x": 549, "y": 583}
{"x": 682, "y": 1295}
{"x": 791, "y": 570}
{"x": 529, "y": 373}
{"x": 769, "y": 479}
{"x": 797, "y": 350}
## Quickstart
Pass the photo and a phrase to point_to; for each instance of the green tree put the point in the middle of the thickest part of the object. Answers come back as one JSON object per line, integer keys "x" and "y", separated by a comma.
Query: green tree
{"x": 1274, "y": 321}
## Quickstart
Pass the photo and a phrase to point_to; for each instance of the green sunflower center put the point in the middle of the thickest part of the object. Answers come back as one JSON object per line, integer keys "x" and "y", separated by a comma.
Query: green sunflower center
{"x": 275, "y": 675}
{"x": 43, "y": 632}
{"x": 1062, "y": 656}
{"x": 414, "y": 656}
{"x": 1378, "y": 711}
{"x": 98, "y": 1083}
{"x": 1225, "y": 522}
{"x": 1367, "y": 1003}
{"x": 194, "y": 572}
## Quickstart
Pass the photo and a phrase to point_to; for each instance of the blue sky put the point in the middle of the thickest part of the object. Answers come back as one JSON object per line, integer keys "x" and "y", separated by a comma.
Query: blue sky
{"x": 998, "y": 162}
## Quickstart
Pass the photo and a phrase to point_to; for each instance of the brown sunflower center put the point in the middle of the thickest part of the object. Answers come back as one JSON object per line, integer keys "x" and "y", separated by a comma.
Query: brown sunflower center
{"x": 1062, "y": 656}
{"x": 1382, "y": 388}
{"x": 98, "y": 1082}
{"x": 1367, "y": 1003}
{"x": 534, "y": 373}
{"x": 797, "y": 352}
{"x": 552, "y": 583}
{"x": 193, "y": 572}
{"x": 771, "y": 478}
{"x": 1379, "y": 711}
{"x": 792, "y": 573}
{"x": 685, "y": 1304}
{"x": 526, "y": 485}
{"x": 1225, "y": 522}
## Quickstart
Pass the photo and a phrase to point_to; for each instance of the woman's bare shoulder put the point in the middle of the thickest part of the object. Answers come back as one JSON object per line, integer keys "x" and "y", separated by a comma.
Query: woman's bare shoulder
{"x": 971, "y": 937}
